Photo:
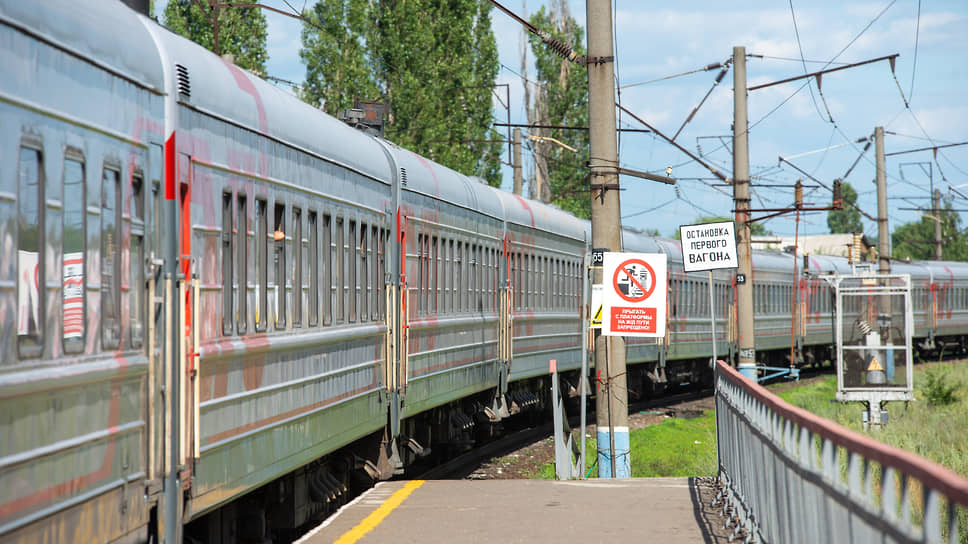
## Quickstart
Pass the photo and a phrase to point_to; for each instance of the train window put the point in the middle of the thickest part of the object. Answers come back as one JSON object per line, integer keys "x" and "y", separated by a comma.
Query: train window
{"x": 478, "y": 300}
{"x": 340, "y": 270}
{"x": 363, "y": 285}
{"x": 111, "y": 259}
{"x": 563, "y": 285}
{"x": 451, "y": 276}
{"x": 472, "y": 276}
{"x": 74, "y": 238}
{"x": 327, "y": 279}
{"x": 571, "y": 279}
{"x": 418, "y": 305}
{"x": 428, "y": 275}
{"x": 537, "y": 283}
{"x": 434, "y": 279}
{"x": 242, "y": 261}
{"x": 155, "y": 218}
{"x": 227, "y": 315}
{"x": 515, "y": 276}
{"x": 534, "y": 280}
{"x": 496, "y": 281}
{"x": 279, "y": 258}
{"x": 30, "y": 254}
{"x": 537, "y": 289}
{"x": 376, "y": 266}
{"x": 136, "y": 264}
{"x": 313, "y": 270}
{"x": 262, "y": 264}
{"x": 444, "y": 277}
{"x": 530, "y": 274}
{"x": 462, "y": 275}
{"x": 454, "y": 248}
{"x": 297, "y": 280}
{"x": 546, "y": 284}
{"x": 443, "y": 286}
{"x": 351, "y": 285}
{"x": 486, "y": 278}
{"x": 526, "y": 280}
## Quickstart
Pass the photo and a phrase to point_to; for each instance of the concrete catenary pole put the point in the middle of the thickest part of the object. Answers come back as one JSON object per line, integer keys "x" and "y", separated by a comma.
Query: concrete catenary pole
{"x": 883, "y": 257}
{"x": 883, "y": 234}
{"x": 516, "y": 161}
{"x": 612, "y": 397}
{"x": 741, "y": 199}
{"x": 936, "y": 213}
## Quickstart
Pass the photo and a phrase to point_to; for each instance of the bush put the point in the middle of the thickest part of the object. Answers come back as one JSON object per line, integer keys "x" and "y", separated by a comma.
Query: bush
{"x": 939, "y": 388}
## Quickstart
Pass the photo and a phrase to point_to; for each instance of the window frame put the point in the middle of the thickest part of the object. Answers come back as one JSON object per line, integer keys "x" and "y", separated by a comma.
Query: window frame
{"x": 75, "y": 344}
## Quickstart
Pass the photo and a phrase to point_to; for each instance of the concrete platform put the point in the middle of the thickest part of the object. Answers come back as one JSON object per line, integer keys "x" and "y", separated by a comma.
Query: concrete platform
{"x": 667, "y": 510}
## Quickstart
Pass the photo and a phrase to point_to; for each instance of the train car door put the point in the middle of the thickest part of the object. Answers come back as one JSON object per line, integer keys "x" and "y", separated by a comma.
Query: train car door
{"x": 396, "y": 320}
{"x": 156, "y": 288}
{"x": 505, "y": 332}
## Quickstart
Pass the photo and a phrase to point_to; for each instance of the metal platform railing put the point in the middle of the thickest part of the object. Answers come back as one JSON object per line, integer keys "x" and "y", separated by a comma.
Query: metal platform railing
{"x": 789, "y": 476}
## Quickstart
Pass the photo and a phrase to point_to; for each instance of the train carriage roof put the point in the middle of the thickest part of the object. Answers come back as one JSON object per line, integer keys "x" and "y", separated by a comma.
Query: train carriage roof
{"x": 218, "y": 87}
{"x": 488, "y": 200}
{"x": 106, "y": 33}
{"x": 545, "y": 217}
{"x": 434, "y": 180}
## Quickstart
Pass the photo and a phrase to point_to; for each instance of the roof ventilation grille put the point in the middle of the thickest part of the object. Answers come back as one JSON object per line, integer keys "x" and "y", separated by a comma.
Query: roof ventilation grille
{"x": 184, "y": 84}
{"x": 403, "y": 177}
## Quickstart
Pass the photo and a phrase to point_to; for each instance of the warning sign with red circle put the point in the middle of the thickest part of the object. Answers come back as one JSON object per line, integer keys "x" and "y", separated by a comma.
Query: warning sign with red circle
{"x": 634, "y": 301}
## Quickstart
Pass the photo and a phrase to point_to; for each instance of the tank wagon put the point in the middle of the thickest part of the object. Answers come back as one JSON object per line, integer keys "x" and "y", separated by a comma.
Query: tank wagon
{"x": 223, "y": 308}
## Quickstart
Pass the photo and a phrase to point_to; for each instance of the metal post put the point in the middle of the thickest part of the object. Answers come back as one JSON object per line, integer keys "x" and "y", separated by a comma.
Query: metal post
{"x": 936, "y": 213}
{"x": 583, "y": 383}
{"x": 741, "y": 197}
{"x": 606, "y": 228}
{"x": 712, "y": 317}
{"x": 883, "y": 235}
{"x": 883, "y": 257}
{"x": 516, "y": 161}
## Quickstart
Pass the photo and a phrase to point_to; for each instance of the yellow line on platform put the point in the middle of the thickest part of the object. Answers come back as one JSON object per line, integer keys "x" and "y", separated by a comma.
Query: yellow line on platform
{"x": 375, "y": 517}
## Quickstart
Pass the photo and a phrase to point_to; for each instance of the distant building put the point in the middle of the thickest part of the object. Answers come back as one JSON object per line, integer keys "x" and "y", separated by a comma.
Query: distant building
{"x": 815, "y": 244}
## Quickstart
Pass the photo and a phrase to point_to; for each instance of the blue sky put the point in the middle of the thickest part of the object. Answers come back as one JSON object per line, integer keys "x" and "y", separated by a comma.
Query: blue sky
{"x": 658, "y": 39}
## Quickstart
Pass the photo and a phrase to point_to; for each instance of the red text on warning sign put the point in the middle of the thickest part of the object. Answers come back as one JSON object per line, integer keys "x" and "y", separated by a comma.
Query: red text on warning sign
{"x": 631, "y": 320}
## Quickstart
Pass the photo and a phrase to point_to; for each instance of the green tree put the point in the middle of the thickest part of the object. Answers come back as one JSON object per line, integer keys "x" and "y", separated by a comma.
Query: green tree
{"x": 846, "y": 220}
{"x": 338, "y": 68}
{"x": 433, "y": 62}
{"x": 561, "y": 98}
{"x": 915, "y": 240}
{"x": 240, "y": 32}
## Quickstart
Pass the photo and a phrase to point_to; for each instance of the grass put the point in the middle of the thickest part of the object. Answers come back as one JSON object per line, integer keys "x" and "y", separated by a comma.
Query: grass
{"x": 935, "y": 426}
{"x": 675, "y": 447}
{"x": 932, "y": 429}
{"x": 937, "y": 431}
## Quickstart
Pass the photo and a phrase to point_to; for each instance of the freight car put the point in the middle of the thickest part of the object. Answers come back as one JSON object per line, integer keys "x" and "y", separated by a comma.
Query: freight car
{"x": 222, "y": 308}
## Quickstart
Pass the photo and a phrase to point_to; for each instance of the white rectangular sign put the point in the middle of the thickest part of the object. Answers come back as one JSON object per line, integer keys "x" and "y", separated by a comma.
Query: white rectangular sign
{"x": 595, "y": 322}
{"x": 708, "y": 246}
{"x": 634, "y": 294}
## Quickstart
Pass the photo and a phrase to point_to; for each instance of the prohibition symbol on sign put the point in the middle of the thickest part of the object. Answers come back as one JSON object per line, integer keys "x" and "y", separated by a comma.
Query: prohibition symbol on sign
{"x": 634, "y": 301}
{"x": 634, "y": 280}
